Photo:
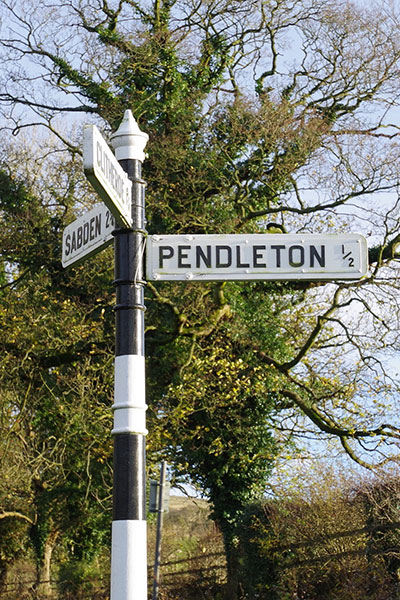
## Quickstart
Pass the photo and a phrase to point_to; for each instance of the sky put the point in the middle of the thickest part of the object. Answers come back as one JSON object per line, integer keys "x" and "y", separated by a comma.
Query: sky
{"x": 352, "y": 219}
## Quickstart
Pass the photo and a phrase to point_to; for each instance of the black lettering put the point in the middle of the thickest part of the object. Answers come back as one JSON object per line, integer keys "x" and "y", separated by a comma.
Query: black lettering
{"x": 79, "y": 237}
{"x": 104, "y": 164}
{"x": 99, "y": 154}
{"x": 238, "y": 259}
{"x": 181, "y": 255}
{"x": 112, "y": 176}
{"x": 92, "y": 236}
{"x": 85, "y": 233}
{"x": 218, "y": 263}
{"x": 97, "y": 226}
{"x": 201, "y": 256}
{"x": 319, "y": 256}
{"x": 73, "y": 242}
{"x": 292, "y": 261}
{"x": 117, "y": 183}
{"x": 67, "y": 245}
{"x": 110, "y": 171}
{"x": 164, "y": 252}
{"x": 257, "y": 256}
{"x": 278, "y": 254}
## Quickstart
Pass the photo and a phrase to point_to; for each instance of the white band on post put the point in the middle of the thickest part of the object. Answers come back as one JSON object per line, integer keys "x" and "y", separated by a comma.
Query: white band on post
{"x": 129, "y": 395}
{"x": 129, "y": 560}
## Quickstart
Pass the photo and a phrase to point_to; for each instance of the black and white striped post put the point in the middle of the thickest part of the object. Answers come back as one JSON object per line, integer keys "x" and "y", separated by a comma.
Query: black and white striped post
{"x": 129, "y": 531}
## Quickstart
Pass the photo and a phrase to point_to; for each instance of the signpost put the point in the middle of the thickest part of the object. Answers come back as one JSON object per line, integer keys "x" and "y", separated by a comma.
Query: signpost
{"x": 87, "y": 235}
{"x": 118, "y": 181}
{"x": 107, "y": 176}
{"x": 129, "y": 529}
{"x": 256, "y": 256}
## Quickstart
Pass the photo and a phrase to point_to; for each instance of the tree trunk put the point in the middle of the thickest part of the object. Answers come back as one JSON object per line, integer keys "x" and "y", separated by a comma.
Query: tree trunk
{"x": 3, "y": 577}
{"x": 232, "y": 584}
{"x": 43, "y": 572}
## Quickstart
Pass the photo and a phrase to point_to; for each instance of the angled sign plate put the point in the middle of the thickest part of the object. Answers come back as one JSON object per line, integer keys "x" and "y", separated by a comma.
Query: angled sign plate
{"x": 107, "y": 176}
{"x": 87, "y": 235}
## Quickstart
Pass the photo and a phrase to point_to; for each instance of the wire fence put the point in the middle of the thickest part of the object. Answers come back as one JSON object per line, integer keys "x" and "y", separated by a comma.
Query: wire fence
{"x": 173, "y": 572}
{"x": 207, "y": 568}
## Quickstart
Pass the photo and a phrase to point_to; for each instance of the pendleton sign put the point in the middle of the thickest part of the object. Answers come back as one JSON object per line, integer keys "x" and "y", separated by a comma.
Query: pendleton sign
{"x": 256, "y": 256}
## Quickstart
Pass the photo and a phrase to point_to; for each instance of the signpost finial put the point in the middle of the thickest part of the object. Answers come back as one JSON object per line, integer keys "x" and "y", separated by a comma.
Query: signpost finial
{"x": 128, "y": 140}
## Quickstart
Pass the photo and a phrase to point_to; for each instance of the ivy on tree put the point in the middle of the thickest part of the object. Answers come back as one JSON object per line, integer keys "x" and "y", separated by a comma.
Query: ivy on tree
{"x": 242, "y": 135}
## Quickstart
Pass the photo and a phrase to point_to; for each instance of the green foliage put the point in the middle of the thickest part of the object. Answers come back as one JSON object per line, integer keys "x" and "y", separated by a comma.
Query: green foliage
{"x": 56, "y": 421}
{"x": 236, "y": 141}
{"x": 325, "y": 545}
{"x": 79, "y": 579}
{"x": 218, "y": 410}
{"x": 14, "y": 543}
{"x": 261, "y": 566}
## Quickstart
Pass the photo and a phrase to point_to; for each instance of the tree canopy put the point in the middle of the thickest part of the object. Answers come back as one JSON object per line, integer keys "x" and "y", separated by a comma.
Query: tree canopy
{"x": 279, "y": 113}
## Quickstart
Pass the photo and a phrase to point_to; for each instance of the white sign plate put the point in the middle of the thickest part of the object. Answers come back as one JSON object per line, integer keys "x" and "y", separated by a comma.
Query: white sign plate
{"x": 106, "y": 175}
{"x": 87, "y": 235}
{"x": 256, "y": 256}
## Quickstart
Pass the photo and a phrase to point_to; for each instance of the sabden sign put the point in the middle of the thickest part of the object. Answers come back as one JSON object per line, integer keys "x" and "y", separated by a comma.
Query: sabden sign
{"x": 87, "y": 235}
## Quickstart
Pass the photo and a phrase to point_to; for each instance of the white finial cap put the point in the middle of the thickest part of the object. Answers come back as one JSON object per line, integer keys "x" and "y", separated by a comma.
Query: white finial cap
{"x": 128, "y": 140}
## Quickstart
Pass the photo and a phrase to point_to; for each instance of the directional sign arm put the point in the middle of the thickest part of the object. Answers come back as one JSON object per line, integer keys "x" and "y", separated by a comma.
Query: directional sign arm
{"x": 87, "y": 235}
{"x": 107, "y": 176}
{"x": 256, "y": 257}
